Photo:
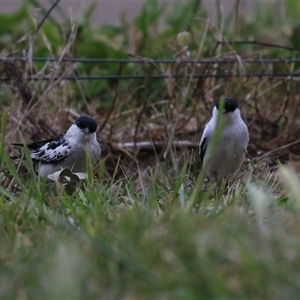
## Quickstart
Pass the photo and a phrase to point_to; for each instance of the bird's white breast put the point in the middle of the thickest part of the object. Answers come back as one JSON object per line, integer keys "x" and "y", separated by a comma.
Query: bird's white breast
{"x": 229, "y": 152}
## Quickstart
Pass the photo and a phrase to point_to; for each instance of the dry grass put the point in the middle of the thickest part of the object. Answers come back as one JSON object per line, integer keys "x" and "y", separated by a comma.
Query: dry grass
{"x": 146, "y": 119}
{"x": 134, "y": 128}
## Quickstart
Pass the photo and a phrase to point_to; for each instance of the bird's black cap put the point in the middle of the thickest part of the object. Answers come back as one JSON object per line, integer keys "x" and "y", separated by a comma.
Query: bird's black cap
{"x": 230, "y": 104}
{"x": 84, "y": 122}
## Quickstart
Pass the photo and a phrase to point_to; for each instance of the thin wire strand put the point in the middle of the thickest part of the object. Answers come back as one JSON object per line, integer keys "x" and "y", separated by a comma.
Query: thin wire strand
{"x": 155, "y": 61}
{"x": 157, "y": 76}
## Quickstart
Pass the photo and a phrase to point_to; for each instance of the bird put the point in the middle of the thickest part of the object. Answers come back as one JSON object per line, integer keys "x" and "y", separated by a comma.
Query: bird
{"x": 68, "y": 150}
{"x": 222, "y": 157}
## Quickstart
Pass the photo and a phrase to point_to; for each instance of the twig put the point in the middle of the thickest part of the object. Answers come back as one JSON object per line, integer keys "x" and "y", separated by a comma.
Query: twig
{"x": 114, "y": 101}
{"x": 279, "y": 149}
{"x": 16, "y": 76}
{"x": 260, "y": 44}
{"x": 152, "y": 145}
{"x": 144, "y": 106}
{"x": 42, "y": 22}
{"x": 46, "y": 15}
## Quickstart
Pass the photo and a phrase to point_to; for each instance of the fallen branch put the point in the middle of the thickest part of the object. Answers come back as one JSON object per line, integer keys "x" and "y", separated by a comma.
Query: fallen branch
{"x": 151, "y": 146}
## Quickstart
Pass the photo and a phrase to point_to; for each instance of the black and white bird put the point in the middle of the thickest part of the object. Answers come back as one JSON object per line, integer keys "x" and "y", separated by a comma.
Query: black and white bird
{"x": 68, "y": 150}
{"x": 224, "y": 159}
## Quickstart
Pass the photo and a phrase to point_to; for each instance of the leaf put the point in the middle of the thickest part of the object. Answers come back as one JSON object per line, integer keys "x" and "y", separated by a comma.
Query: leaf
{"x": 67, "y": 180}
{"x": 68, "y": 175}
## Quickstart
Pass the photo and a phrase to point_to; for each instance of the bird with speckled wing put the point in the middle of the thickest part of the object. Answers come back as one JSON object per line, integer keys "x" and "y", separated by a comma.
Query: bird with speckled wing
{"x": 224, "y": 159}
{"x": 68, "y": 150}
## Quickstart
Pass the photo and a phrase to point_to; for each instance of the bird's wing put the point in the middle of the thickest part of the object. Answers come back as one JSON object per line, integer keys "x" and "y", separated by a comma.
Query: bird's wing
{"x": 205, "y": 139}
{"x": 52, "y": 151}
{"x": 49, "y": 151}
{"x": 203, "y": 147}
{"x": 34, "y": 145}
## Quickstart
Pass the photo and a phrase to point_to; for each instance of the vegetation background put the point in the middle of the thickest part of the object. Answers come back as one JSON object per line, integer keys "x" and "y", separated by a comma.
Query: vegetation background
{"x": 143, "y": 226}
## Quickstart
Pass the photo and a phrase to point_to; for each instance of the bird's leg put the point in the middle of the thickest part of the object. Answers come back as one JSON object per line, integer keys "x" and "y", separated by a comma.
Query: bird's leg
{"x": 226, "y": 187}
{"x": 223, "y": 185}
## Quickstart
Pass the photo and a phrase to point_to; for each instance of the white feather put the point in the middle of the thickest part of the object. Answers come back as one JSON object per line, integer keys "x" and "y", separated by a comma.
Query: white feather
{"x": 228, "y": 155}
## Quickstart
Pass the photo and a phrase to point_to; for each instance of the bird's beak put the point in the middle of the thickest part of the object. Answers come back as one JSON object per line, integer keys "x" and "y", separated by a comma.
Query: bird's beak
{"x": 86, "y": 130}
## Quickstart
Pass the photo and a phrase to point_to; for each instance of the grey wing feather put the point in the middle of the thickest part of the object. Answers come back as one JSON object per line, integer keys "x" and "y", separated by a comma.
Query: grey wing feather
{"x": 203, "y": 147}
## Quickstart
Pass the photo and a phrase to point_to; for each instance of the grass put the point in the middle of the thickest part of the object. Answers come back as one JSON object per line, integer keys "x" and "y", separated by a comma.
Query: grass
{"x": 145, "y": 227}
{"x": 112, "y": 241}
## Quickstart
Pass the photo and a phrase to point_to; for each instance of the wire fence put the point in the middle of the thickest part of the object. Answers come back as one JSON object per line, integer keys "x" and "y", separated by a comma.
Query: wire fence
{"x": 172, "y": 76}
{"x": 263, "y": 62}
